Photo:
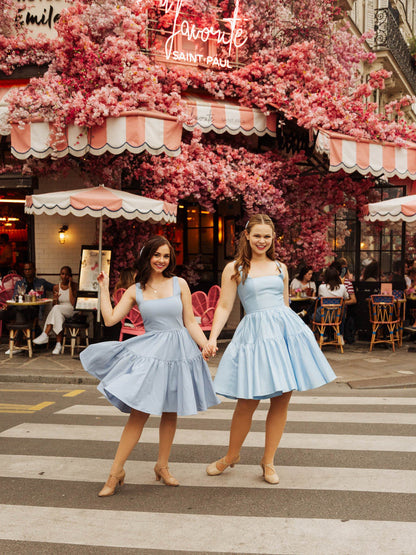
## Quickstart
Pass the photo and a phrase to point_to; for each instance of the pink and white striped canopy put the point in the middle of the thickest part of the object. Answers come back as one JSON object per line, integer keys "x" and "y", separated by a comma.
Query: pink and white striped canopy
{"x": 402, "y": 209}
{"x": 136, "y": 131}
{"x": 101, "y": 201}
{"x": 367, "y": 157}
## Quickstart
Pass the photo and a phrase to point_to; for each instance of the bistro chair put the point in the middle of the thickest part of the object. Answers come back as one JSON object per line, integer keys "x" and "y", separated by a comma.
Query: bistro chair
{"x": 132, "y": 324}
{"x": 199, "y": 304}
{"x": 385, "y": 320}
{"x": 326, "y": 321}
{"x": 26, "y": 329}
{"x": 75, "y": 329}
{"x": 214, "y": 296}
{"x": 400, "y": 304}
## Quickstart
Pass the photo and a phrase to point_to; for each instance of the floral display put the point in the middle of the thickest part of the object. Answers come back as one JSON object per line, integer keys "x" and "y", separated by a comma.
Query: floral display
{"x": 295, "y": 58}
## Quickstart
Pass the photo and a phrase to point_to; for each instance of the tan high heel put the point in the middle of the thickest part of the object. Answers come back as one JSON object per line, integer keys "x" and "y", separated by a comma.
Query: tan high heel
{"x": 271, "y": 478}
{"x": 113, "y": 481}
{"x": 162, "y": 472}
{"x": 218, "y": 467}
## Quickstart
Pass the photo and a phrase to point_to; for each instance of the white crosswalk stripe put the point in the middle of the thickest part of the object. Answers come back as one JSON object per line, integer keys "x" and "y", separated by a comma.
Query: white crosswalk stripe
{"x": 316, "y": 430}
{"x": 246, "y": 476}
{"x": 214, "y": 437}
{"x": 261, "y": 414}
{"x": 232, "y": 534}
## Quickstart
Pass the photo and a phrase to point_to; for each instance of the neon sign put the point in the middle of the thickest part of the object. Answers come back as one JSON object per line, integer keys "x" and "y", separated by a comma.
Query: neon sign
{"x": 235, "y": 38}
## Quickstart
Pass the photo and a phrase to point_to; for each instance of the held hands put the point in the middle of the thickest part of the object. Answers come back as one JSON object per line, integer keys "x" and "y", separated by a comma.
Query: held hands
{"x": 210, "y": 349}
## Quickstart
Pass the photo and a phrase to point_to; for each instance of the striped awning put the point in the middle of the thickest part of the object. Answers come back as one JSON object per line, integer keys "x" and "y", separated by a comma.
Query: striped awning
{"x": 134, "y": 131}
{"x": 223, "y": 116}
{"x": 367, "y": 157}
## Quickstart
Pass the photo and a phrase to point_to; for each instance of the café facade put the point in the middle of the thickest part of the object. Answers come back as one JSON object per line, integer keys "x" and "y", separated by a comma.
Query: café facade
{"x": 205, "y": 233}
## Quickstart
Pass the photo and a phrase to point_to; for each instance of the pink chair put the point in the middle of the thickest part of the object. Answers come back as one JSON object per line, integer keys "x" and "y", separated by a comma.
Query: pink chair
{"x": 207, "y": 318}
{"x": 214, "y": 296}
{"x": 132, "y": 324}
{"x": 7, "y": 285}
{"x": 199, "y": 303}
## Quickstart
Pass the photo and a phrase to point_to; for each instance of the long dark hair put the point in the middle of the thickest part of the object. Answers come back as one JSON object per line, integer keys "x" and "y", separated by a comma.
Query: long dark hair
{"x": 143, "y": 263}
{"x": 303, "y": 271}
{"x": 331, "y": 278}
{"x": 243, "y": 256}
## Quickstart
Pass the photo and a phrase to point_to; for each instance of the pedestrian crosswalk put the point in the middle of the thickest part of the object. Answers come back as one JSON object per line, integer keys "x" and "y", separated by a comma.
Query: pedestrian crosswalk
{"x": 347, "y": 482}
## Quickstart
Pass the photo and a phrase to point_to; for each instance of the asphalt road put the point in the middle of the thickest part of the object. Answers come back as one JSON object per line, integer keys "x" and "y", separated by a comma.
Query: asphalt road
{"x": 347, "y": 467}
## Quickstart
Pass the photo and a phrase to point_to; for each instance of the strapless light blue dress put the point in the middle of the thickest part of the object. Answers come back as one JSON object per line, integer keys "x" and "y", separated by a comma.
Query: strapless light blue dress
{"x": 272, "y": 351}
{"x": 159, "y": 371}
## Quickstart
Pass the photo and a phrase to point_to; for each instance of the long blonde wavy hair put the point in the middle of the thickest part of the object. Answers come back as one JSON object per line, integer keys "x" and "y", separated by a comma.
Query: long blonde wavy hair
{"x": 244, "y": 253}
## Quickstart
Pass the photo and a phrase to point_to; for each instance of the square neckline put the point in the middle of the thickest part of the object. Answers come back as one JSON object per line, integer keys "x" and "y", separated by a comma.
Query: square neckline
{"x": 160, "y": 298}
{"x": 269, "y": 275}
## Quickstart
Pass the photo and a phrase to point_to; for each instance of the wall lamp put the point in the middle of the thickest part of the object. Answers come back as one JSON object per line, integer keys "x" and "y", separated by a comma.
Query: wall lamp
{"x": 62, "y": 231}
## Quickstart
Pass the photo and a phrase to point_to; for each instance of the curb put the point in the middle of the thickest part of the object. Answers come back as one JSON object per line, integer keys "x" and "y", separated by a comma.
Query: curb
{"x": 87, "y": 380}
{"x": 392, "y": 382}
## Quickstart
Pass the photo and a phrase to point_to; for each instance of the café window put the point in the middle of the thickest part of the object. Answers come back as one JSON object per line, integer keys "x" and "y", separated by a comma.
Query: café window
{"x": 362, "y": 243}
{"x": 200, "y": 239}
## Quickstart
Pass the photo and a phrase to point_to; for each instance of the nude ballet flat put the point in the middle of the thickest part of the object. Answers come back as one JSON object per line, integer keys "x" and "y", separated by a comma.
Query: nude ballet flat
{"x": 162, "y": 472}
{"x": 271, "y": 477}
{"x": 218, "y": 467}
{"x": 113, "y": 481}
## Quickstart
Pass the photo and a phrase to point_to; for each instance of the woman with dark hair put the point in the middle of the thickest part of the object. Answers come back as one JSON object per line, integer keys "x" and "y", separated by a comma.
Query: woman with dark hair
{"x": 64, "y": 297}
{"x": 161, "y": 372}
{"x": 304, "y": 282}
{"x": 332, "y": 286}
{"x": 272, "y": 352}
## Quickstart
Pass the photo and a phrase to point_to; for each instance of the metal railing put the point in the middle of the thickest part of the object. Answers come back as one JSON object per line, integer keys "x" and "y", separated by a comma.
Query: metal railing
{"x": 388, "y": 36}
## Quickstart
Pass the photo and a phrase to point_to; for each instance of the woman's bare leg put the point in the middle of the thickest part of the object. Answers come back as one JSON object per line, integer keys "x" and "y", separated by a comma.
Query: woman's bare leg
{"x": 275, "y": 424}
{"x": 167, "y": 429}
{"x": 240, "y": 426}
{"x": 129, "y": 438}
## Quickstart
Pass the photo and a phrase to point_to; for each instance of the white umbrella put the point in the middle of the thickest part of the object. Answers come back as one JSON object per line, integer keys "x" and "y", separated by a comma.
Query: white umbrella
{"x": 401, "y": 209}
{"x": 98, "y": 202}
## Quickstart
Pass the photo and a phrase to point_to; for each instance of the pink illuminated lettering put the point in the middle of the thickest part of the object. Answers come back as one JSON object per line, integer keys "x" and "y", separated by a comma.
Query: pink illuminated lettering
{"x": 191, "y": 32}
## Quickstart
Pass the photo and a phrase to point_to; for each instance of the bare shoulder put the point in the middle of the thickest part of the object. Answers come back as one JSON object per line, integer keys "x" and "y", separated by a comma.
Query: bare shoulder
{"x": 183, "y": 284}
{"x": 282, "y": 266}
{"x": 229, "y": 269}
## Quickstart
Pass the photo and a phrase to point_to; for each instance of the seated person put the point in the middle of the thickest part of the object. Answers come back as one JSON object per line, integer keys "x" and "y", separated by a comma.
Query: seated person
{"x": 64, "y": 297}
{"x": 304, "y": 282}
{"x": 341, "y": 266}
{"x": 31, "y": 282}
{"x": 332, "y": 287}
{"x": 371, "y": 272}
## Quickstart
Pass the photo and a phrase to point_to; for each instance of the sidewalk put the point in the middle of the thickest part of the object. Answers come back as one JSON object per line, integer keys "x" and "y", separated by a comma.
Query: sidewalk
{"x": 357, "y": 367}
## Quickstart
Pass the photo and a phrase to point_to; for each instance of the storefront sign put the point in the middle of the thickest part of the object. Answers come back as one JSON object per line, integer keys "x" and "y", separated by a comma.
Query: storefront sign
{"x": 182, "y": 28}
{"x": 40, "y": 16}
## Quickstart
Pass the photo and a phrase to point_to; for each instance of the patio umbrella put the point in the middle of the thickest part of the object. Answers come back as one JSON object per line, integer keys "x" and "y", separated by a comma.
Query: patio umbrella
{"x": 98, "y": 202}
{"x": 402, "y": 209}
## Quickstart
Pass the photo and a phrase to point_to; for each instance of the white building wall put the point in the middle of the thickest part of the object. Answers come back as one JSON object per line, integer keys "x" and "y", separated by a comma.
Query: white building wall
{"x": 50, "y": 254}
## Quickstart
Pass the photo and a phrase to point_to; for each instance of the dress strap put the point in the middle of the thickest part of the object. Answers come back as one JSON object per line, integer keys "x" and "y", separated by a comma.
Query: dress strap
{"x": 139, "y": 293}
{"x": 176, "y": 286}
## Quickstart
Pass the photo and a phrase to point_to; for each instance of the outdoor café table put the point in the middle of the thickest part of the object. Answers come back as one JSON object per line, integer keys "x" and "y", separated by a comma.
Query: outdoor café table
{"x": 301, "y": 303}
{"x": 23, "y": 307}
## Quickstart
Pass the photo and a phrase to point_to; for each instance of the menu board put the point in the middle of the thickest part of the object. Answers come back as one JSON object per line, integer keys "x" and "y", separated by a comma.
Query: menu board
{"x": 87, "y": 298}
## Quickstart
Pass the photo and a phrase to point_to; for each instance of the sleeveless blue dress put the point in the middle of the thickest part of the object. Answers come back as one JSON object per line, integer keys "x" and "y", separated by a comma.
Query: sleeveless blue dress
{"x": 272, "y": 351}
{"x": 159, "y": 371}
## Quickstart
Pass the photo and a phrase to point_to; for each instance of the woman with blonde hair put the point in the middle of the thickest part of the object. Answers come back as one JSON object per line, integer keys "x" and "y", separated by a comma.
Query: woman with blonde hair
{"x": 272, "y": 352}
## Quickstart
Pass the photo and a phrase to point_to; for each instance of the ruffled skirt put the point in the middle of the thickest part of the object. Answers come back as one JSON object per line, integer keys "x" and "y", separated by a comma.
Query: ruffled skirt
{"x": 273, "y": 351}
{"x": 152, "y": 373}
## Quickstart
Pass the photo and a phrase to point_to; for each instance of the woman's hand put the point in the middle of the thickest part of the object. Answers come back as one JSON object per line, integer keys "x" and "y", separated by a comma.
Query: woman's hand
{"x": 103, "y": 280}
{"x": 210, "y": 349}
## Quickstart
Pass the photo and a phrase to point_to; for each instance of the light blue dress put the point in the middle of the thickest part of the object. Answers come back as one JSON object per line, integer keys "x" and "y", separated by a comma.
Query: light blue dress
{"x": 159, "y": 371}
{"x": 272, "y": 351}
